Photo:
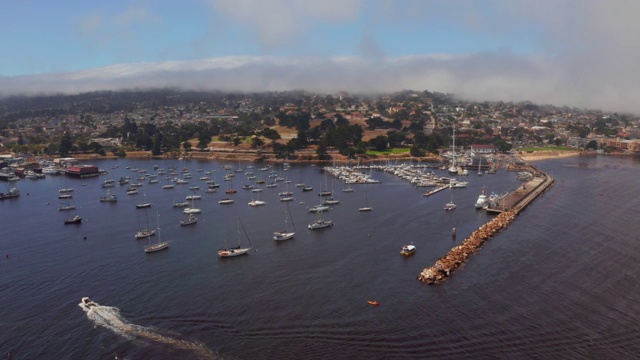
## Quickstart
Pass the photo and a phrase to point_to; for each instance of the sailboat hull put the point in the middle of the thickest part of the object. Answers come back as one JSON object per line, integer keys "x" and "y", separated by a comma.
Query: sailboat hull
{"x": 233, "y": 252}
{"x": 279, "y": 236}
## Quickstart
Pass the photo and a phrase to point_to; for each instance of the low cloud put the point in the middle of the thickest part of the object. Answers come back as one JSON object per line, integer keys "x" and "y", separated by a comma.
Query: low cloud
{"x": 485, "y": 76}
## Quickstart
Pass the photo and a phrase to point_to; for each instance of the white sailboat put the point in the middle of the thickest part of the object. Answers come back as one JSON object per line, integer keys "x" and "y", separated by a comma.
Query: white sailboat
{"x": 146, "y": 232}
{"x": 160, "y": 245}
{"x": 257, "y": 201}
{"x": 453, "y": 169}
{"x": 237, "y": 250}
{"x": 285, "y": 234}
{"x": 366, "y": 203}
{"x": 320, "y": 223}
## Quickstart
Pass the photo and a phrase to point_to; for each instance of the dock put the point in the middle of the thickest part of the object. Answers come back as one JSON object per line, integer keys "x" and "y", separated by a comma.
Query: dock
{"x": 507, "y": 209}
{"x": 438, "y": 189}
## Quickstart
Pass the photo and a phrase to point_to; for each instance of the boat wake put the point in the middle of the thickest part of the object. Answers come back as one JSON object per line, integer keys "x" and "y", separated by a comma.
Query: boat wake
{"x": 109, "y": 317}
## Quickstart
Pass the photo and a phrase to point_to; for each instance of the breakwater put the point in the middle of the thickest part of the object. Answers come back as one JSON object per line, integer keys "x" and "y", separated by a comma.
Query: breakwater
{"x": 518, "y": 200}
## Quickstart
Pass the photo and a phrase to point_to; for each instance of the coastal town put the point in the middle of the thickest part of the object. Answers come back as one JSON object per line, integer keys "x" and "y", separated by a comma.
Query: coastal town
{"x": 299, "y": 126}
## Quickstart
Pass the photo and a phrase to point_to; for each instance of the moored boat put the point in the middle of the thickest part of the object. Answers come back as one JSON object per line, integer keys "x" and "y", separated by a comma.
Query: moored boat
{"x": 408, "y": 250}
{"x": 74, "y": 220}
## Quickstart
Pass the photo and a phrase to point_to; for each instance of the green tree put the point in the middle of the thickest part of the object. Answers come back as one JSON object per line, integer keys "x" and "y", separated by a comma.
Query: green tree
{"x": 186, "y": 145}
{"x": 65, "y": 145}
{"x": 379, "y": 142}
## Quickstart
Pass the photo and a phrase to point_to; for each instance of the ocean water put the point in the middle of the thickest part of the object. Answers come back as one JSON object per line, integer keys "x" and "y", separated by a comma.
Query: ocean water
{"x": 560, "y": 282}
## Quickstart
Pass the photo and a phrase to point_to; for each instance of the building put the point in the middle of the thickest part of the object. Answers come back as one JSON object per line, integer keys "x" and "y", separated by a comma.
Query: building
{"x": 83, "y": 171}
{"x": 482, "y": 149}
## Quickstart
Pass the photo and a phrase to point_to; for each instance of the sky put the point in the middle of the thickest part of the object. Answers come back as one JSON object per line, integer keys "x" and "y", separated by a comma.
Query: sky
{"x": 581, "y": 53}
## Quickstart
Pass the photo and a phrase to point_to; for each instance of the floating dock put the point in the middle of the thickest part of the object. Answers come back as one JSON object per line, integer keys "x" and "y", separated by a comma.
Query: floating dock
{"x": 507, "y": 209}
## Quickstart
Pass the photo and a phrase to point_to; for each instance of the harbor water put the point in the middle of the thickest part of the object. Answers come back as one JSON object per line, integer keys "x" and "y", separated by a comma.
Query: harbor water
{"x": 560, "y": 282}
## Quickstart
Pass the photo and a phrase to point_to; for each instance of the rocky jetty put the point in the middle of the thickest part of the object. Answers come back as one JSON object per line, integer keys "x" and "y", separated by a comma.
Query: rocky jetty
{"x": 459, "y": 254}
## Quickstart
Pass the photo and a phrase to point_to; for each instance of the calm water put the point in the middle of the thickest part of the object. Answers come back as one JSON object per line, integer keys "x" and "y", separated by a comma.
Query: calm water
{"x": 559, "y": 283}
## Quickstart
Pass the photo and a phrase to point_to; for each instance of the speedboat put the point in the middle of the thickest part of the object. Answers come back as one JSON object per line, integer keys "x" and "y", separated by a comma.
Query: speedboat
{"x": 87, "y": 302}
{"x": 408, "y": 250}
{"x": 450, "y": 206}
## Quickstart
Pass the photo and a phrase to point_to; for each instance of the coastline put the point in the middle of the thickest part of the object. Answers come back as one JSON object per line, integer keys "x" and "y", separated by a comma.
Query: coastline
{"x": 552, "y": 154}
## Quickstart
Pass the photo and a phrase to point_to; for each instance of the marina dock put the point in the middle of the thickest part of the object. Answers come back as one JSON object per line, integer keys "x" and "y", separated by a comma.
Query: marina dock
{"x": 507, "y": 209}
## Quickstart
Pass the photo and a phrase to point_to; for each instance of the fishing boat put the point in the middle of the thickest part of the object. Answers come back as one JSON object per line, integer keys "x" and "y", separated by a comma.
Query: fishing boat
{"x": 482, "y": 200}
{"x": 109, "y": 197}
{"x": 237, "y": 250}
{"x": 12, "y": 193}
{"x": 74, "y": 220}
{"x": 408, "y": 250}
{"x": 285, "y": 234}
{"x": 158, "y": 246}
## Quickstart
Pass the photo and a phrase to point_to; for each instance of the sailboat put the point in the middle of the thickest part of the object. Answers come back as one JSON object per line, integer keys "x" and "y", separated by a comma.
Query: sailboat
{"x": 480, "y": 167}
{"x": 453, "y": 169}
{"x": 238, "y": 250}
{"x": 191, "y": 219}
{"x": 160, "y": 245}
{"x": 146, "y": 232}
{"x": 257, "y": 202}
{"x": 366, "y": 203}
{"x": 144, "y": 204}
{"x": 320, "y": 223}
{"x": 285, "y": 234}
{"x": 192, "y": 209}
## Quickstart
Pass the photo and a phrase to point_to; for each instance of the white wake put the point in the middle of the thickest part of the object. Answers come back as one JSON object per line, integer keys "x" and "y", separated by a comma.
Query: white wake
{"x": 109, "y": 317}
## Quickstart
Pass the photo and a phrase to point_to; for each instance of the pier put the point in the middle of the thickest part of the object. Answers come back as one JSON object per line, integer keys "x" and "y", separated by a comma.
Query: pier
{"x": 507, "y": 209}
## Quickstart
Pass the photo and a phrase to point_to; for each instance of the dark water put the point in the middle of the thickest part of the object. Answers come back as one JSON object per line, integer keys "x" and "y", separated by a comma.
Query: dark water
{"x": 561, "y": 282}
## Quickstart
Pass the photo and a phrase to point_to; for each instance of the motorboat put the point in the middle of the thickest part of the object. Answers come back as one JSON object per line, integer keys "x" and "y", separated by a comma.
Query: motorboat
{"x": 373, "y": 302}
{"x": 74, "y": 220}
{"x": 450, "y": 206}
{"x": 181, "y": 204}
{"x": 191, "y": 211}
{"x": 87, "y": 302}
{"x": 226, "y": 201}
{"x": 143, "y": 205}
{"x": 408, "y": 250}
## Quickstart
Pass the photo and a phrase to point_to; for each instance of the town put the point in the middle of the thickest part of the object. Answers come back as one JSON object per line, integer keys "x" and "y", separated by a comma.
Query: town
{"x": 298, "y": 125}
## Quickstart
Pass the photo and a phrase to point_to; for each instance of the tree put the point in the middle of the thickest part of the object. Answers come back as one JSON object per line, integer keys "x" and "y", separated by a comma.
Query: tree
{"x": 592, "y": 145}
{"x": 256, "y": 142}
{"x": 203, "y": 140}
{"x": 157, "y": 141}
{"x": 65, "y": 145}
{"x": 186, "y": 145}
{"x": 379, "y": 142}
